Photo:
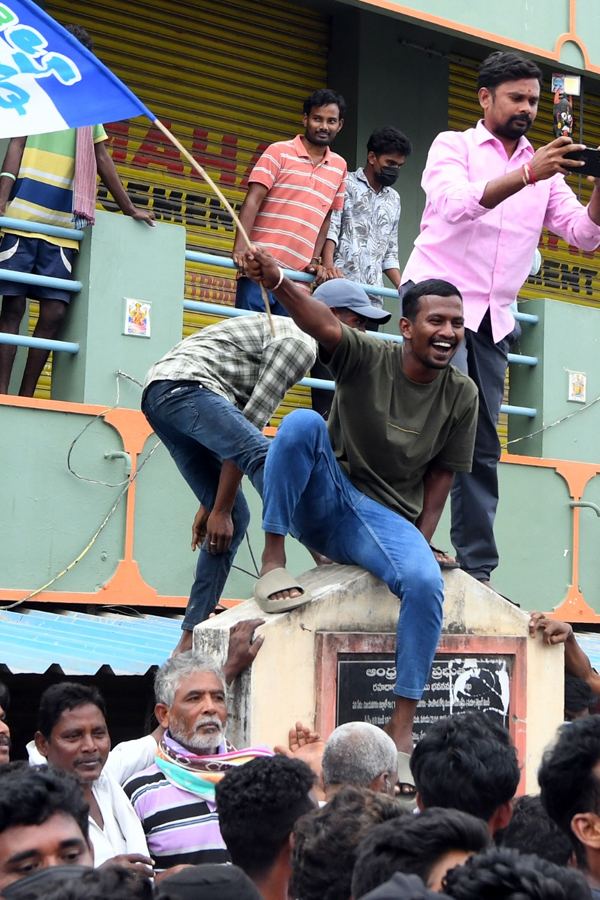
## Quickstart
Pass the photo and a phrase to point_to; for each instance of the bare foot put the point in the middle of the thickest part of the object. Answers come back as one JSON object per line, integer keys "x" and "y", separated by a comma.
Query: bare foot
{"x": 185, "y": 643}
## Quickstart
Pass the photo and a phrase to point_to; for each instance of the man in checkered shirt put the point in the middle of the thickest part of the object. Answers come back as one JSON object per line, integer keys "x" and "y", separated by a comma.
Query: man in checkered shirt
{"x": 208, "y": 400}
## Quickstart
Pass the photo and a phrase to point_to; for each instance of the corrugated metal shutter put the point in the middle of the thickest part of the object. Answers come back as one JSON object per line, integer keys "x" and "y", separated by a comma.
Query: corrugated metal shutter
{"x": 567, "y": 273}
{"x": 228, "y": 78}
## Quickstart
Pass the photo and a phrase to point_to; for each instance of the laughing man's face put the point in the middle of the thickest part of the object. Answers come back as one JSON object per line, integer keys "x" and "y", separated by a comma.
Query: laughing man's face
{"x": 435, "y": 335}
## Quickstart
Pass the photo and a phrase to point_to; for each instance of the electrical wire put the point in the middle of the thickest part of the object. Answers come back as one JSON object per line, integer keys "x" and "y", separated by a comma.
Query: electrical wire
{"x": 91, "y": 543}
{"x": 575, "y": 412}
{"x": 124, "y": 484}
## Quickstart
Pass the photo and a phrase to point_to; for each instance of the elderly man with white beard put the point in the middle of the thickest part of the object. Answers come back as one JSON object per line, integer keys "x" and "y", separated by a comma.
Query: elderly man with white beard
{"x": 175, "y": 797}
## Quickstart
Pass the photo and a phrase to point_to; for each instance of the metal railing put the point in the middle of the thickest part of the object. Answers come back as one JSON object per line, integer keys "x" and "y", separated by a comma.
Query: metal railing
{"x": 199, "y": 306}
{"x": 219, "y": 310}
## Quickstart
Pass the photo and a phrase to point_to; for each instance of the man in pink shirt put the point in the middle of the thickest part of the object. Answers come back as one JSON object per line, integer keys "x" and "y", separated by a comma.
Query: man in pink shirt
{"x": 489, "y": 194}
{"x": 292, "y": 190}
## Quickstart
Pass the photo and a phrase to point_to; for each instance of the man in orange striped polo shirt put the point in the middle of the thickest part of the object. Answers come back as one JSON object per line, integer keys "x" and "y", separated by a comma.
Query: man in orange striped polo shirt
{"x": 292, "y": 190}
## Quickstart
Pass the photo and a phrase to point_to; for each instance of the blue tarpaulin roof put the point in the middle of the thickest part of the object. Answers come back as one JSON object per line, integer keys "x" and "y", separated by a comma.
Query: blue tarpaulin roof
{"x": 80, "y": 644}
{"x": 590, "y": 644}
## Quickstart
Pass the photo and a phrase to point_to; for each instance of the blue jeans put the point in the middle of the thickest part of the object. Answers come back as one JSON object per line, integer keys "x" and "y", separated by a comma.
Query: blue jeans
{"x": 200, "y": 429}
{"x": 248, "y": 295}
{"x": 307, "y": 494}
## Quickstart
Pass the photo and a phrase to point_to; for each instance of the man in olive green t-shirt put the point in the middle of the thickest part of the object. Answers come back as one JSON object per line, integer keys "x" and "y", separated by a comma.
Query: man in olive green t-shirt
{"x": 371, "y": 491}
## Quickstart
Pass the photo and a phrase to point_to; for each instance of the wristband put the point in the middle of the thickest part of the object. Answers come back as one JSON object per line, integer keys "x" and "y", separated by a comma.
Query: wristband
{"x": 8, "y": 175}
{"x": 275, "y": 286}
{"x": 528, "y": 174}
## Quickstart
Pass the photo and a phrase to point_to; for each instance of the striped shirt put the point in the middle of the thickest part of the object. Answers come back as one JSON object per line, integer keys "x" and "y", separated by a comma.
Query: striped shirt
{"x": 43, "y": 191}
{"x": 241, "y": 361}
{"x": 300, "y": 193}
{"x": 180, "y": 827}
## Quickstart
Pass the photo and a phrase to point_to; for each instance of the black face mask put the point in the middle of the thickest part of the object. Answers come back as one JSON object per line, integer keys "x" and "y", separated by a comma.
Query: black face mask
{"x": 387, "y": 176}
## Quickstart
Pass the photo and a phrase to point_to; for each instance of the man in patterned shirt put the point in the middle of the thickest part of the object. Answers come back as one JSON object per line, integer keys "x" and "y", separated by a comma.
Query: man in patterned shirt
{"x": 208, "y": 401}
{"x": 362, "y": 241}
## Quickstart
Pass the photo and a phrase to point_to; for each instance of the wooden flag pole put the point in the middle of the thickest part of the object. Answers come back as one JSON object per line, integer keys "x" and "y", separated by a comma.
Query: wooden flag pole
{"x": 223, "y": 200}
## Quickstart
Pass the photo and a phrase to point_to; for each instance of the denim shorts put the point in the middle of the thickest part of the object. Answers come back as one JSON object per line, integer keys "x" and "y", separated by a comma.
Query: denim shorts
{"x": 36, "y": 257}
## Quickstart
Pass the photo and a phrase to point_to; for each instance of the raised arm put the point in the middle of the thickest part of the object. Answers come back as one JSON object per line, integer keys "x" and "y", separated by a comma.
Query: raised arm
{"x": 546, "y": 162}
{"x": 312, "y": 316}
{"x": 577, "y": 662}
{"x": 457, "y": 199}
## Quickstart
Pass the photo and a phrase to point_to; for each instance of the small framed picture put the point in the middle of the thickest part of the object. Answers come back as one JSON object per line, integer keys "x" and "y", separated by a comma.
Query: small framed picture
{"x": 137, "y": 317}
{"x": 577, "y": 386}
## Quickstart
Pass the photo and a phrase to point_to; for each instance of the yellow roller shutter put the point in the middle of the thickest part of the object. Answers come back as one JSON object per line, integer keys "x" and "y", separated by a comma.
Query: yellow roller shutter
{"x": 228, "y": 78}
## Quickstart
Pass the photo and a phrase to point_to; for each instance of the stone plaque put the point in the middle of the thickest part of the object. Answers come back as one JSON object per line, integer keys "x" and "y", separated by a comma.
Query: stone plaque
{"x": 365, "y": 683}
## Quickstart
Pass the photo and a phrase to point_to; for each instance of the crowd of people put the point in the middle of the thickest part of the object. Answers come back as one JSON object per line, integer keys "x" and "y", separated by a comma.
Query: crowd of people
{"x": 181, "y": 812}
{"x": 410, "y": 425}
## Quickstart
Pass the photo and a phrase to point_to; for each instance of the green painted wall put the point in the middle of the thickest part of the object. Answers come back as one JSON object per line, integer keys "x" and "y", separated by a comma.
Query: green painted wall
{"x": 120, "y": 258}
{"x": 165, "y": 509}
{"x": 567, "y": 338}
{"x": 49, "y": 514}
{"x": 534, "y": 26}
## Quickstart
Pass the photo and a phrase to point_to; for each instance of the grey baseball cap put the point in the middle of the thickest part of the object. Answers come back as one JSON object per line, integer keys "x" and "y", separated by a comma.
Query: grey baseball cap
{"x": 339, "y": 292}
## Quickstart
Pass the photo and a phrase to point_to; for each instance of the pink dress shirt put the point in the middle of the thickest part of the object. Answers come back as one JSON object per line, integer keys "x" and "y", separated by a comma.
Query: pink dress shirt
{"x": 487, "y": 253}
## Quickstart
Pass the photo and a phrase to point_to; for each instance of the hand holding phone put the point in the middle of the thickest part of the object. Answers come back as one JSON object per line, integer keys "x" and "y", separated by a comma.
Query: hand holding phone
{"x": 591, "y": 159}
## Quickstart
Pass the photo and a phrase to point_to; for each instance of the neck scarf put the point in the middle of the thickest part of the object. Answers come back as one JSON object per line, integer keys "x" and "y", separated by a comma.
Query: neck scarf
{"x": 86, "y": 176}
{"x": 200, "y": 774}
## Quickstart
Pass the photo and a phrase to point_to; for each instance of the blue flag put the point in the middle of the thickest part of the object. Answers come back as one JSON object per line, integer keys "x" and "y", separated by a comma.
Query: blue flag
{"x": 49, "y": 81}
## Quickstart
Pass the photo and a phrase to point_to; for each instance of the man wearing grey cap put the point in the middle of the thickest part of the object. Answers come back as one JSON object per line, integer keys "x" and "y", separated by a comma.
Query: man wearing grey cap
{"x": 353, "y": 307}
{"x": 369, "y": 488}
{"x": 345, "y": 296}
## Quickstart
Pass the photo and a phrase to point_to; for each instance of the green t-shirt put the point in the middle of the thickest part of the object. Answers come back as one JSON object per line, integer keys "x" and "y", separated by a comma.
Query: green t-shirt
{"x": 386, "y": 429}
{"x": 43, "y": 191}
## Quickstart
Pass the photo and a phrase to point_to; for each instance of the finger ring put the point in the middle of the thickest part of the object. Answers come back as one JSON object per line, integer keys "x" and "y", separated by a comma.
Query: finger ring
{"x": 212, "y": 543}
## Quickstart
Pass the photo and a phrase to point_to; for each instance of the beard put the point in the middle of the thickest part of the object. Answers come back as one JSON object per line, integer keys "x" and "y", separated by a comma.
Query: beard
{"x": 514, "y": 127}
{"x": 204, "y": 744}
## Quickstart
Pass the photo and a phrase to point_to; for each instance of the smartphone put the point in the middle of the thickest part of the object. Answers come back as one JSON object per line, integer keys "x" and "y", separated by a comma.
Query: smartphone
{"x": 591, "y": 159}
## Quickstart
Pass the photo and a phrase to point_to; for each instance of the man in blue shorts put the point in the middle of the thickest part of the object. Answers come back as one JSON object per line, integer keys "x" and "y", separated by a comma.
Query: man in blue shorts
{"x": 37, "y": 185}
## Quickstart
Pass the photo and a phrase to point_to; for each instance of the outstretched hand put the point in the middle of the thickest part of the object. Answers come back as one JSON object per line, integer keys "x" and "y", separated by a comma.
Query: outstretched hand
{"x": 143, "y": 215}
{"x": 303, "y": 744}
{"x": 553, "y": 631}
{"x": 308, "y": 746}
{"x": 242, "y": 649}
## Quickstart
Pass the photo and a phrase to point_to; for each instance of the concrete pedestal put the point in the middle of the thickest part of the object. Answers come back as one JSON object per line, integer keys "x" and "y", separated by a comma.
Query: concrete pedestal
{"x": 353, "y": 615}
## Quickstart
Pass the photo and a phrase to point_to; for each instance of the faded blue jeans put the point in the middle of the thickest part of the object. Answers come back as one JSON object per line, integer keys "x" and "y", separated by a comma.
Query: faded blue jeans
{"x": 200, "y": 429}
{"x": 307, "y": 494}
